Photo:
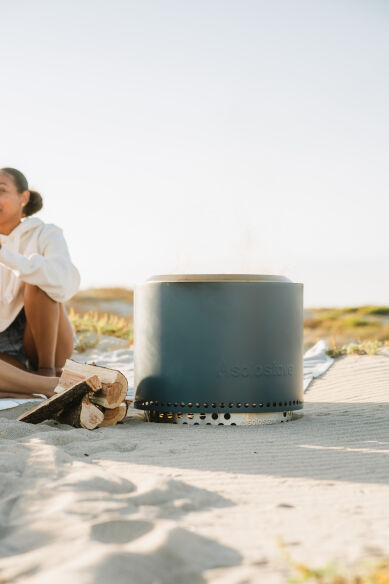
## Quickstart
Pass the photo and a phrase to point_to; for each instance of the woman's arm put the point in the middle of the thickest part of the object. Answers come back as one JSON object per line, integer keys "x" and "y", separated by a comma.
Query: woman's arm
{"x": 51, "y": 270}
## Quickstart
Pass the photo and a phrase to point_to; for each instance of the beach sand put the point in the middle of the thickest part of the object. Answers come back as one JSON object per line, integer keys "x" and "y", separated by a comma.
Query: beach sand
{"x": 161, "y": 503}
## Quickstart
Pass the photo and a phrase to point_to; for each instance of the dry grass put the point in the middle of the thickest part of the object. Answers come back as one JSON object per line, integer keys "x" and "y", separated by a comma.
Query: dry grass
{"x": 366, "y": 571}
{"x": 373, "y": 572}
{"x": 369, "y": 347}
{"x": 342, "y": 326}
{"x": 103, "y": 301}
{"x": 104, "y": 294}
{"x": 91, "y": 326}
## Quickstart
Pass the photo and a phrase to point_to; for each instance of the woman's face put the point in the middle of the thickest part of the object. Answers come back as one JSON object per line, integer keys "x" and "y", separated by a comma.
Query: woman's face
{"x": 11, "y": 202}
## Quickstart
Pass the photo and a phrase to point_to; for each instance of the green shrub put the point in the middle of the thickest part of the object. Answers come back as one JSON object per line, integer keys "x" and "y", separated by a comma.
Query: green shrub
{"x": 376, "y": 310}
{"x": 331, "y": 315}
{"x": 355, "y": 321}
{"x": 362, "y": 348}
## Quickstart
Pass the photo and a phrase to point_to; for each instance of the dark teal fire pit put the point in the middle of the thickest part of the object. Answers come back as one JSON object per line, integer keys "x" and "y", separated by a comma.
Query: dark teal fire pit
{"x": 219, "y": 349}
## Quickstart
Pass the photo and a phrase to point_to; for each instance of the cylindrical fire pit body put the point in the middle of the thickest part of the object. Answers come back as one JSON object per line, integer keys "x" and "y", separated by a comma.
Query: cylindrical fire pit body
{"x": 218, "y": 343}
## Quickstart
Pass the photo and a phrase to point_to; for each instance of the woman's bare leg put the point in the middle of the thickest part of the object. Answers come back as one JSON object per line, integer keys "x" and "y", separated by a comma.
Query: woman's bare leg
{"x": 17, "y": 381}
{"x": 65, "y": 340}
{"x": 40, "y": 336}
{"x": 48, "y": 336}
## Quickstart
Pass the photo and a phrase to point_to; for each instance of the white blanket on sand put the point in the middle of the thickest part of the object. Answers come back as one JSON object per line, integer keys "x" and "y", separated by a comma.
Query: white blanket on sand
{"x": 316, "y": 362}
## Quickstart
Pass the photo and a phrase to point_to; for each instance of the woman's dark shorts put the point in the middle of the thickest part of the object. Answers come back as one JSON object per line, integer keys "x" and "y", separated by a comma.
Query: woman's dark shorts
{"x": 12, "y": 339}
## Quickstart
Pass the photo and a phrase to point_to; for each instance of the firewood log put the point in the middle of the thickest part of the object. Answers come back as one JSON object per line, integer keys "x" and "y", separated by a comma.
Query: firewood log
{"x": 110, "y": 396}
{"x": 113, "y": 416}
{"x": 82, "y": 414}
{"x": 74, "y": 371}
{"x": 114, "y": 385}
{"x": 60, "y": 401}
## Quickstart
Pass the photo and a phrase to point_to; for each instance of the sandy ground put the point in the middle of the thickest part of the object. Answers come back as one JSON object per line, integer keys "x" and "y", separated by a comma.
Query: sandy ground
{"x": 159, "y": 503}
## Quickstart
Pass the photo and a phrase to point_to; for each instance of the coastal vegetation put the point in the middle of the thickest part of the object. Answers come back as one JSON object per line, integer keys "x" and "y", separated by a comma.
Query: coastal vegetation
{"x": 366, "y": 572}
{"x": 353, "y": 329}
{"x": 356, "y": 329}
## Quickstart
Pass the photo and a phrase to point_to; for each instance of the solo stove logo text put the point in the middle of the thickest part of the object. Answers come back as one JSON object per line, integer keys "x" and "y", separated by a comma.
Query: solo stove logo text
{"x": 273, "y": 368}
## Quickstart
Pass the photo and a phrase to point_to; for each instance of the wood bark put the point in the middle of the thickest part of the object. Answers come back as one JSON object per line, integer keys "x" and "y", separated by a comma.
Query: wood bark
{"x": 60, "y": 401}
{"x": 83, "y": 414}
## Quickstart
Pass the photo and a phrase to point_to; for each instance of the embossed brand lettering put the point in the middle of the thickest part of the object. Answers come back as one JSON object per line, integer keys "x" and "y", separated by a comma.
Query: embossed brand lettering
{"x": 266, "y": 369}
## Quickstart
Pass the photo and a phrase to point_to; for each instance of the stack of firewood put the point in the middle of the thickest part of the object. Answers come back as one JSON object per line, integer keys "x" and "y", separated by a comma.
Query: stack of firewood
{"x": 87, "y": 396}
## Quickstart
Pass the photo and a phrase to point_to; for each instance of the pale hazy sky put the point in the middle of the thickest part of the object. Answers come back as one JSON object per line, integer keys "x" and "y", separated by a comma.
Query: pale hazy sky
{"x": 206, "y": 136}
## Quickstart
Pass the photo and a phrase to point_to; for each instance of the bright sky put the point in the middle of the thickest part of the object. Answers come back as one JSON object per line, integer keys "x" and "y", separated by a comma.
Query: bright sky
{"x": 208, "y": 136}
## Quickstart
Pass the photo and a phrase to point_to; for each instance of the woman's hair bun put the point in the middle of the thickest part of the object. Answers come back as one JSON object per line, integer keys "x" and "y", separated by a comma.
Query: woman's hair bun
{"x": 34, "y": 205}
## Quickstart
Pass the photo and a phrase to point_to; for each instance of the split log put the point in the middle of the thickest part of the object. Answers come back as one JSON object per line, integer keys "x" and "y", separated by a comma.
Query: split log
{"x": 114, "y": 385}
{"x": 82, "y": 396}
{"x": 113, "y": 416}
{"x": 83, "y": 414}
{"x": 59, "y": 401}
{"x": 110, "y": 395}
{"x": 74, "y": 372}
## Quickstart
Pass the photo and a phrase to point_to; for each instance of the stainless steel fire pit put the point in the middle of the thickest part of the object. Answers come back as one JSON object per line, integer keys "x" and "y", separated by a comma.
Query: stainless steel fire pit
{"x": 219, "y": 349}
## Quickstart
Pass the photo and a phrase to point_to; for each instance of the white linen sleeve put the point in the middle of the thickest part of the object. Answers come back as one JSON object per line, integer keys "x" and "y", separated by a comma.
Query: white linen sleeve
{"x": 51, "y": 270}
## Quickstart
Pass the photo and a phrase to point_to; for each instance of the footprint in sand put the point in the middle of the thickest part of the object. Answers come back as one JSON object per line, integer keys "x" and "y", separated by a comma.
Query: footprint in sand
{"x": 182, "y": 557}
{"x": 120, "y": 530}
{"x": 171, "y": 499}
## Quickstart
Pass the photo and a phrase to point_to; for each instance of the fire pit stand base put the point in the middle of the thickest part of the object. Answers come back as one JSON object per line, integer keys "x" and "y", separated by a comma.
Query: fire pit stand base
{"x": 219, "y": 419}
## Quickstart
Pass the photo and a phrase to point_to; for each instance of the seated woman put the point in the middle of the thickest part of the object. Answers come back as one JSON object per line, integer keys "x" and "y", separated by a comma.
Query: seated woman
{"x": 36, "y": 278}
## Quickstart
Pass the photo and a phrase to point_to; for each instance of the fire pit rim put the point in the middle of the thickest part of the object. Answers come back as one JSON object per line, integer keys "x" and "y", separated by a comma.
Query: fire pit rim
{"x": 218, "y": 278}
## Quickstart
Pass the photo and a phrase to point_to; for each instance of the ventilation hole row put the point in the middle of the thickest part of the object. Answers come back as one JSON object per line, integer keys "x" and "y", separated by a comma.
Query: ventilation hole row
{"x": 209, "y": 424}
{"x": 171, "y": 416}
{"x": 223, "y": 405}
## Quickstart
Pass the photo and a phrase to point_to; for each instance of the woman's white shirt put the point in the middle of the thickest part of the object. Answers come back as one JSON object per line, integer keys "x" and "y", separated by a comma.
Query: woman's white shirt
{"x": 34, "y": 253}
